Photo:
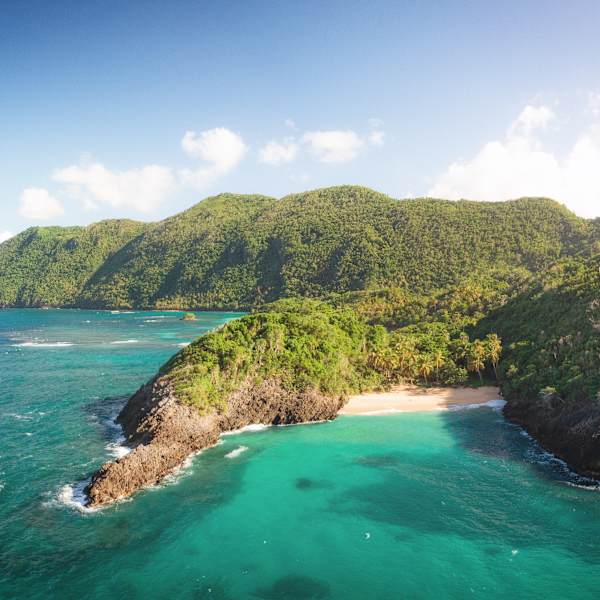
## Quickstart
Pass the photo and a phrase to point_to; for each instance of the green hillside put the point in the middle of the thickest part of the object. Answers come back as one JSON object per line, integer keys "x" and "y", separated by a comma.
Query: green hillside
{"x": 551, "y": 329}
{"x": 233, "y": 251}
{"x": 48, "y": 266}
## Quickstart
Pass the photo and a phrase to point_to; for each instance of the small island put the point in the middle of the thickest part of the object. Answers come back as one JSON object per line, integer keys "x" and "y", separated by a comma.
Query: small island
{"x": 188, "y": 316}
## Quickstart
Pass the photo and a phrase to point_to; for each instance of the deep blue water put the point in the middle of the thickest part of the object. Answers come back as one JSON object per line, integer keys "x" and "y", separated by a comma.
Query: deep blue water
{"x": 438, "y": 505}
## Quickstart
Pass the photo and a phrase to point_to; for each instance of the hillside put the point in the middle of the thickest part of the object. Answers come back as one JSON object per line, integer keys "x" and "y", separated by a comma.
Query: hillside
{"x": 550, "y": 370}
{"x": 49, "y": 266}
{"x": 234, "y": 251}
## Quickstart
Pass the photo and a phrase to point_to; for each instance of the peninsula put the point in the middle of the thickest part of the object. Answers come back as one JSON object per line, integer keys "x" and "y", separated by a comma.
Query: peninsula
{"x": 350, "y": 292}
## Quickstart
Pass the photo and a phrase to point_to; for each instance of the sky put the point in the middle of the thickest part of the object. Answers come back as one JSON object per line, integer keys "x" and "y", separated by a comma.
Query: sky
{"x": 140, "y": 109}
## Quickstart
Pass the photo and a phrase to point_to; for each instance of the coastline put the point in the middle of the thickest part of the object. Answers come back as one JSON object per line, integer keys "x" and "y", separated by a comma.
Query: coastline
{"x": 412, "y": 398}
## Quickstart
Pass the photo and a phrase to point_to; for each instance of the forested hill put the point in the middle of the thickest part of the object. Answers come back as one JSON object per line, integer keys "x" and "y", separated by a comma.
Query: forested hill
{"x": 238, "y": 251}
{"x": 51, "y": 265}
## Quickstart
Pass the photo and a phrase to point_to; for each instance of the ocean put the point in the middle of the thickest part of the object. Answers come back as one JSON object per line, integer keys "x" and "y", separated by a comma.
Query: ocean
{"x": 458, "y": 504}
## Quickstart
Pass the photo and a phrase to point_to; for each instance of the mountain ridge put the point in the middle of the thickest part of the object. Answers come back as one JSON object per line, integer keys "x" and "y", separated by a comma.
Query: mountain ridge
{"x": 238, "y": 251}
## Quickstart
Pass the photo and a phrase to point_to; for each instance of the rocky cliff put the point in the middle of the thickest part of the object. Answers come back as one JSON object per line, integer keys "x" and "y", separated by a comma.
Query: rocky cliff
{"x": 569, "y": 430}
{"x": 162, "y": 431}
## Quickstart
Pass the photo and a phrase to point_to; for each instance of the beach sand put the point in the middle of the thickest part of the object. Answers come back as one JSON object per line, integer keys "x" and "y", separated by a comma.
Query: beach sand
{"x": 411, "y": 398}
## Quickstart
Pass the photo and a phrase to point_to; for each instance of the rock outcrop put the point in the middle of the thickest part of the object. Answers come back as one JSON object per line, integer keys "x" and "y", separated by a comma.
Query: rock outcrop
{"x": 163, "y": 432}
{"x": 569, "y": 430}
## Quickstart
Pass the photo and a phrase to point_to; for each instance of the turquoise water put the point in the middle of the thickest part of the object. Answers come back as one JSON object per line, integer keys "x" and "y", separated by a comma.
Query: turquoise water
{"x": 451, "y": 505}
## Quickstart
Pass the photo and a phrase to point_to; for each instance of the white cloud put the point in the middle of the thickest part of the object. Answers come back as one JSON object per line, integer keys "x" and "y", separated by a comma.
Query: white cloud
{"x": 333, "y": 146}
{"x": 376, "y": 138}
{"x": 143, "y": 189}
{"x": 530, "y": 119}
{"x": 275, "y": 153}
{"x": 5, "y": 235}
{"x": 37, "y": 203}
{"x": 518, "y": 165}
{"x": 221, "y": 148}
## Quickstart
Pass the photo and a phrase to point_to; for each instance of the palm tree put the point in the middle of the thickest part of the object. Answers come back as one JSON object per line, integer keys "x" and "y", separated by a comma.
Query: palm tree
{"x": 494, "y": 350}
{"x": 438, "y": 360}
{"x": 426, "y": 367}
{"x": 476, "y": 358}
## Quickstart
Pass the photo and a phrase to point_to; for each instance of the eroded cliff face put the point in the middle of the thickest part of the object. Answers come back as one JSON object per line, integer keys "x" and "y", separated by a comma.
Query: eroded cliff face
{"x": 569, "y": 430}
{"x": 163, "y": 432}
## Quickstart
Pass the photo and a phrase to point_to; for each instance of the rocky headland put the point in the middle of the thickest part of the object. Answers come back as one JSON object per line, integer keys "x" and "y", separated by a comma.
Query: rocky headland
{"x": 163, "y": 431}
{"x": 569, "y": 430}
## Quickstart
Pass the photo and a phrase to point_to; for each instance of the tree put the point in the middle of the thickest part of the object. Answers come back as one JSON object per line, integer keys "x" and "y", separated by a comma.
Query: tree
{"x": 438, "y": 360}
{"x": 426, "y": 367}
{"x": 494, "y": 350}
{"x": 476, "y": 358}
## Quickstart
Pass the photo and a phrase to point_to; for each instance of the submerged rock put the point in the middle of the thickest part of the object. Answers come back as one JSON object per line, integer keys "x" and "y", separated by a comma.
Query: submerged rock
{"x": 163, "y": 431}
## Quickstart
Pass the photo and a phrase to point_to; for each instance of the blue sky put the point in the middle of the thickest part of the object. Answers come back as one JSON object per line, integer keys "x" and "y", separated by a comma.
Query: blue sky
{"x": 140, "y": 109}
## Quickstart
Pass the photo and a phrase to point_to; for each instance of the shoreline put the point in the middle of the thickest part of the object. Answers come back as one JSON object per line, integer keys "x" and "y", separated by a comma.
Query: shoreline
{"x": 412, "y": 398}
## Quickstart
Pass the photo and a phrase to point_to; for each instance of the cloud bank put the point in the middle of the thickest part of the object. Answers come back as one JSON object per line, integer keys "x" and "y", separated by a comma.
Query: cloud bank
{"x": 146, "y": 188}
{"x": 143, "y": 189}
{"x": 519, "y": 165}
{"x": 5, "y": 235}
{"x": 38, "y": 204}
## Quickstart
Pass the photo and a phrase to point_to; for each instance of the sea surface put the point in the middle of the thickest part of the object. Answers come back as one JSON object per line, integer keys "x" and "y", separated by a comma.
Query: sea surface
{"x": 432, "y": 505}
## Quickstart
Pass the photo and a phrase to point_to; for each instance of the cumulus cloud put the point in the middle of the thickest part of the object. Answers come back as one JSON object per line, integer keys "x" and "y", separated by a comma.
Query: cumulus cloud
{"x": 276, "y": 153}
{"x": 222, "y": 150}
{"x": 335, "y": 146}
{"x": 518, "y": 165}
{"x": 5, "y": 235}
{"x": 143, "y": 189}
{"x": 37, "y": 203}
{"x": 530, "y": 119}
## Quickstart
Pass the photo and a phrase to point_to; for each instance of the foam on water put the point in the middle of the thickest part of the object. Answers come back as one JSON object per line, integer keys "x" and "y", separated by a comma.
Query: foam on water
{"x": 235, "y": 453}
{"x": 117, "y": 446}
{"x": 44, "y": 344}
{"x": 497, "y": 404}
{"x": 72, "y": 496}
{"x": 118, "y": 449}
{"x": 536, "y": 454}
{"x": 125, "y": 342}
{"x": 247, "y": 428}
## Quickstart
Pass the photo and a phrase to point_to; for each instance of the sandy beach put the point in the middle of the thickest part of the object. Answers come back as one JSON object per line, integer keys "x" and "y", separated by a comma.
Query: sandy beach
{"x": 410, "y": 398}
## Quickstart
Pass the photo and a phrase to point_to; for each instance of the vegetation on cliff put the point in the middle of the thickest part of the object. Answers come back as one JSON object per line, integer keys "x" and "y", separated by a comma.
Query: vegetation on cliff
{"x": 308, "y": 344}
{"x": 303, "y": 344}
{"x": 235, "y": 251}
{"x": 551, "y": 329}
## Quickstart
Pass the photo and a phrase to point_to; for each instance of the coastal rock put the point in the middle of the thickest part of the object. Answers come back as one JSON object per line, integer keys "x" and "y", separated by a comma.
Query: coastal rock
{"x": 569, "y": 430}
{"x": 163, "y": 431}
